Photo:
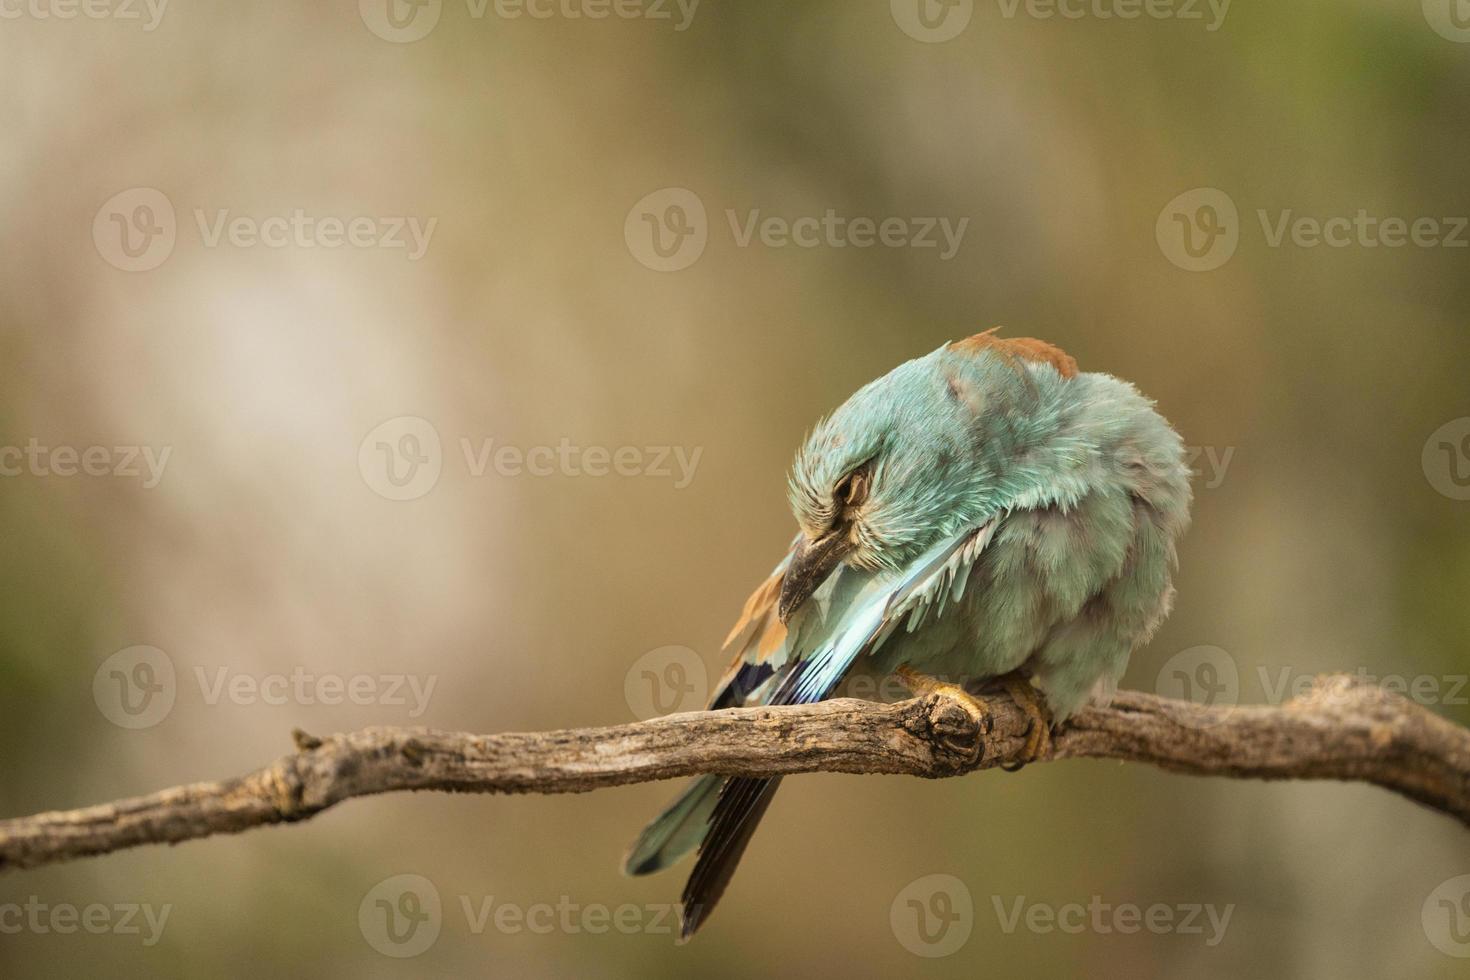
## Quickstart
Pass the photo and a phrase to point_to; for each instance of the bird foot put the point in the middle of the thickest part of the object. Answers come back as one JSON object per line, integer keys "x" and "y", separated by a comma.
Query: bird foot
{"x": 967, "y": 739}
{"x": 1038, "y": 731}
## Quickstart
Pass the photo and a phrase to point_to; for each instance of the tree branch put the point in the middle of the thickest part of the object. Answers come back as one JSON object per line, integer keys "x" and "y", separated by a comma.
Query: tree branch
{"x": 1342, "y": 729}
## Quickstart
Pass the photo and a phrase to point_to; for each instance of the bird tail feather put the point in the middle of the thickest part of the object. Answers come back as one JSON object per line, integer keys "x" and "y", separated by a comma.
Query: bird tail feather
{"x": 679, "y": 829}
{"x": 741, "y": 804}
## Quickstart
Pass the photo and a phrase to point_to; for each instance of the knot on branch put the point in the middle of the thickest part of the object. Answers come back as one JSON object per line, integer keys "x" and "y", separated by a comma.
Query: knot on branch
{"x": 955, "y": 730}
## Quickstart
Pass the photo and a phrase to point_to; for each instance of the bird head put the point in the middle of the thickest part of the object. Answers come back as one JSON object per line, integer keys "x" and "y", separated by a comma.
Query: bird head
{"x": 938, "y": 444}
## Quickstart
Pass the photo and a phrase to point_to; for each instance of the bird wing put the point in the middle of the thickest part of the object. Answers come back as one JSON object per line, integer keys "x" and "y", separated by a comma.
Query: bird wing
{"x": 759, "y": 639}
{"x": 849, "y": 616}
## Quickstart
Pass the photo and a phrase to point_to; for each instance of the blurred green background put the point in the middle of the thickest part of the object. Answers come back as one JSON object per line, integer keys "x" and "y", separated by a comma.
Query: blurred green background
{"x": 1334, "y": 537}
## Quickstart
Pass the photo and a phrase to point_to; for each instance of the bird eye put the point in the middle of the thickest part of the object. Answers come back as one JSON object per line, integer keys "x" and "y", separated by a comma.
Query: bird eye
{"x": 852, "y": 489}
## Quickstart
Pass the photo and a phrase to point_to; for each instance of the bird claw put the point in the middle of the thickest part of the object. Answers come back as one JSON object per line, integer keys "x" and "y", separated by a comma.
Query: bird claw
{"x": 1038, "y": 728}
{"x": 964, "y": 738}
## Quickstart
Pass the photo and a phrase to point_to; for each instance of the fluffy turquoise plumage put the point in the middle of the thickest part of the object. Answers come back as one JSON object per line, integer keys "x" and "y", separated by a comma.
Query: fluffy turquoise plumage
{"x": 983, "y": 511}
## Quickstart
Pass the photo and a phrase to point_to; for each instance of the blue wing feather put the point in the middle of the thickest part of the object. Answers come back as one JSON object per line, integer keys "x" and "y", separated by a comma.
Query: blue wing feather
{"x": 848, "y": 617}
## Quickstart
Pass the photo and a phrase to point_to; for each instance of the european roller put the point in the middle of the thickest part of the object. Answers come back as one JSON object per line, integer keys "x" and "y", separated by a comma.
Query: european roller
{"x": 985, "y": 513}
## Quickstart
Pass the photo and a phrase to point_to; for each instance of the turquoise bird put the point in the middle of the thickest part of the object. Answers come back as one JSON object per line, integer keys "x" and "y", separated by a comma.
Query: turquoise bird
{"x": 985, "y": 512}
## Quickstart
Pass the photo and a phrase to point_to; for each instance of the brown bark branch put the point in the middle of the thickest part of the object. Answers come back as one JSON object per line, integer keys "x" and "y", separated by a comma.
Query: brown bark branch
{"x": 1342, "y": 729}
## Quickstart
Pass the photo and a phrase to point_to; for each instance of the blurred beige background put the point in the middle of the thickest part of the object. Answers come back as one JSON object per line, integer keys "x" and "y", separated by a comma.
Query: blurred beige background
{"x": 1331, "y": 522}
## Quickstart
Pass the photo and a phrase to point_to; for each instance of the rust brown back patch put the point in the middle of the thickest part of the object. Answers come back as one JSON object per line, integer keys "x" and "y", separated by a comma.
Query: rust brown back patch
{"x": 1019, "y": 348}
{"x": 760, "y": 604}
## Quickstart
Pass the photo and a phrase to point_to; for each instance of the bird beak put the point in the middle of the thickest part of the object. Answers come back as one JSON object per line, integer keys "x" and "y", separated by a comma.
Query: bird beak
{"x": 809, "y": 568}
